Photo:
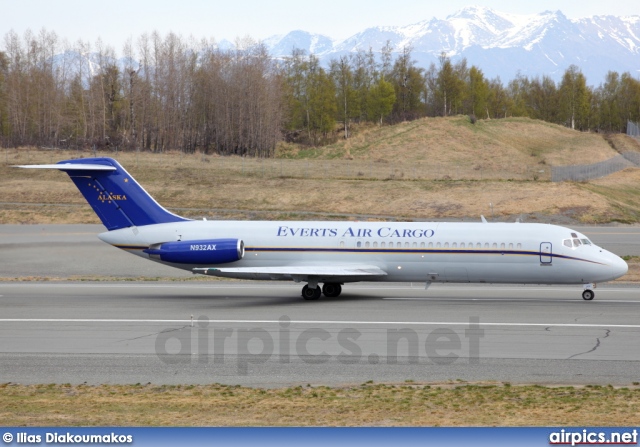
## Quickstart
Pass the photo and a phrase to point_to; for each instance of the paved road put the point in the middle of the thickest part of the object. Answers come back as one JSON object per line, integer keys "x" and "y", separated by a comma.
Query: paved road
{"x": 260, "y": 334}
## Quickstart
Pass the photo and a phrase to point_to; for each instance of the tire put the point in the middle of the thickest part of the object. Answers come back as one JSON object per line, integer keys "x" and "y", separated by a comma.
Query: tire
{"x": 331, "y": 290}
{"x": 311, "y": 294}
{"x": 588, "y": 295}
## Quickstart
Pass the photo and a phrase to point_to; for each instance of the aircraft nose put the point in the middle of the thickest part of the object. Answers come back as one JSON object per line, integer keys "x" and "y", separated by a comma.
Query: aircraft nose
{"x": 620, "y": 267}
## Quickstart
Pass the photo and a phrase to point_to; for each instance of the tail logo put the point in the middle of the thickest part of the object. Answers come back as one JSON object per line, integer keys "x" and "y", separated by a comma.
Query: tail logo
{"x": 105, "y": 196}
{"x": 110, "y": 197}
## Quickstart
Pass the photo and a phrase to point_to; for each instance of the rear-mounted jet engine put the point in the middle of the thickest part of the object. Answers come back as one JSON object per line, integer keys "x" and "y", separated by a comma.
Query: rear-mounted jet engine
{"x": 210, "y": 251}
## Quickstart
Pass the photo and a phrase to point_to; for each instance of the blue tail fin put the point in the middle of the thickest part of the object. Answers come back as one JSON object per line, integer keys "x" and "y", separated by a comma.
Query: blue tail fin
{"x": 118, "y": 200}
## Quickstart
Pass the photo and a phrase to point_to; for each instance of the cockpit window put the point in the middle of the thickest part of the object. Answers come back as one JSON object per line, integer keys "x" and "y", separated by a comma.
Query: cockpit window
{"x": 575, "y": 243}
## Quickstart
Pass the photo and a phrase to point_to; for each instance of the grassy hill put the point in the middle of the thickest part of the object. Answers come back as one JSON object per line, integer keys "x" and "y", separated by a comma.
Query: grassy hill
{"x": 434, "y": 168}
{"x": 455, "y": 140}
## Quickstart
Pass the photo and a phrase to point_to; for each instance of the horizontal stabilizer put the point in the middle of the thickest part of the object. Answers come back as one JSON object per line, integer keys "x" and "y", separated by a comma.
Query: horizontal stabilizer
{"x": 115, "y": 196}
{"x": 70, "y": 167}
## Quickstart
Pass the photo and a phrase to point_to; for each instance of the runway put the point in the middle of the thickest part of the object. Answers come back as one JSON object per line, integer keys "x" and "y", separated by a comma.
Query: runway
{"x": 75, "y": 250}
{"x": 264, "y": 334}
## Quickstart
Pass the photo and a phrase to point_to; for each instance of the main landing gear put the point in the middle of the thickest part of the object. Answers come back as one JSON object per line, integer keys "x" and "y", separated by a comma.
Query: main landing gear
{"x": 330, "y": 290}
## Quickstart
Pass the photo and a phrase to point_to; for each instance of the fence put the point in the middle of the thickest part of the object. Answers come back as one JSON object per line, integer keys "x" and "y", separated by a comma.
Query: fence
{"x": 633, "y": 130}
{"x": 579, "y": 173}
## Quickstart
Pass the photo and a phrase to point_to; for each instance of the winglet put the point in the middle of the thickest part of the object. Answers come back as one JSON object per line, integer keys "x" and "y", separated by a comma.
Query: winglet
{"x": 483, "y": 219}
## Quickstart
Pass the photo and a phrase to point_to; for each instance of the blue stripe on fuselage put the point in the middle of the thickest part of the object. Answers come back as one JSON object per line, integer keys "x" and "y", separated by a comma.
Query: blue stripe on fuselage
{"x": 392, "y": 251}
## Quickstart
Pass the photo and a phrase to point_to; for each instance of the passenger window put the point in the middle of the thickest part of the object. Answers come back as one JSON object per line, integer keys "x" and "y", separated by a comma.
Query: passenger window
{"x": 454, "y": 245}
{"x": 495, "y": 245}
{"x": 446, "y": 245}
{"x": 478, "y": 245}
{"x": 502, "y": 245}
{"x": 461, "y": 244}
{"x": 438, "y": 246}
{"x": 415, "y": 245}
{"x": 421, "y": 244}
{"x": 486, "y": 245}
{"x": 366, "y": 244}
{"x": 359, "y": 244}
{"x": 519, "y": 245}
{"x": 375, "y": 245}
{"x": 342, "y": 243}
{"x": 430, "y": 244}
{"x": 406, "y": 245}
{"x": 511, "y": 246}
{"x": 383, "y": 244}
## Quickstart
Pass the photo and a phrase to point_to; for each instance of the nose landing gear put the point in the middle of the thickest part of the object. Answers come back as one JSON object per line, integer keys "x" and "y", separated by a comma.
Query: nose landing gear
{"x": 588, "y": 294}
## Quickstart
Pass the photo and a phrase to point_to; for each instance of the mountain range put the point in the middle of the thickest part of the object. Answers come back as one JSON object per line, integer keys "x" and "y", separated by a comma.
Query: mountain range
{"x": 500, "y": 44}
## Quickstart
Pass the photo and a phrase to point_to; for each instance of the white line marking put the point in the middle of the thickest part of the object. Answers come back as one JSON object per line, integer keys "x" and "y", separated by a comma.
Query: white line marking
{"x": 397, "y": 323}
{"x": 510, "y": 300}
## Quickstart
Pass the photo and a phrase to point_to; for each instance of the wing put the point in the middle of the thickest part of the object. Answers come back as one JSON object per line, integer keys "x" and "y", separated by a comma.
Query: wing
{"x": 334, "y": 273}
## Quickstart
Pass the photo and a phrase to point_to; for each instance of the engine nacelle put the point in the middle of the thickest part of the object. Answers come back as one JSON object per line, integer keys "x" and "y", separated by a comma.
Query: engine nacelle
{"x": 209, "y": 251}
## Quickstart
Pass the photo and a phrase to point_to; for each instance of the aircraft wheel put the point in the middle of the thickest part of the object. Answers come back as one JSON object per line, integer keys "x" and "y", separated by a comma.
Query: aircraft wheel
{"x": 331, "y": 290}
{"x": 588, "y": 295}
{"x": 311, "y": 294}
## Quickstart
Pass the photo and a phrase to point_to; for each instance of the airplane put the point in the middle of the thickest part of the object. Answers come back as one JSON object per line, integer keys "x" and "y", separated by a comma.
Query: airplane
{"x": 336, "y": 253}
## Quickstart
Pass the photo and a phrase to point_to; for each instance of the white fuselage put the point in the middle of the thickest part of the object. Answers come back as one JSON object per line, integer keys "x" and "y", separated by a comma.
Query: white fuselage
{"x": 412, "y": 251}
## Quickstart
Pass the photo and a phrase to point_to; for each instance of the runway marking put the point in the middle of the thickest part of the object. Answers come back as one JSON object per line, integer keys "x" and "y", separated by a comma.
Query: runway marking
{"x": 545, "y": 300}
{"x": 341, "y": 322}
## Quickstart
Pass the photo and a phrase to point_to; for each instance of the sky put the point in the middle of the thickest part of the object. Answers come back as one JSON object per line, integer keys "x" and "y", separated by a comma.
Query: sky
{"x": 114, "y": 21}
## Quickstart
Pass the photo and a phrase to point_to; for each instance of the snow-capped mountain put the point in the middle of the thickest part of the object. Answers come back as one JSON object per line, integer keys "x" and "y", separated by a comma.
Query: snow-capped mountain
{"x": 500, "y": 44}
{"x": 311, "y": 43}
